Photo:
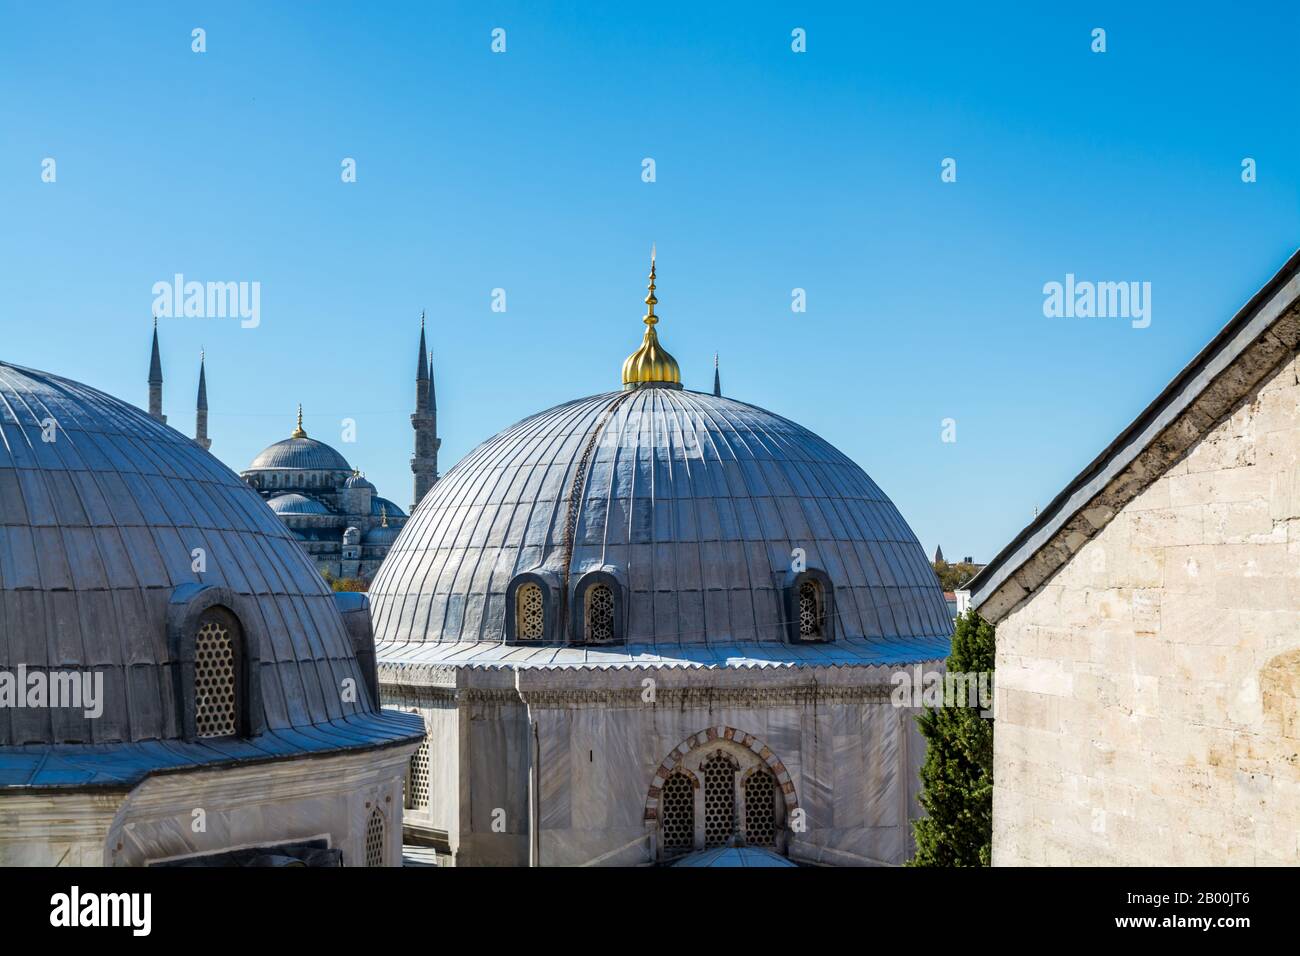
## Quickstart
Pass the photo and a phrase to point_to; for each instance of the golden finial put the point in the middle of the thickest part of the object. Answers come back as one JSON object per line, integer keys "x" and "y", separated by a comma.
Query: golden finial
{"x": 383, "y": 516}
{"x": 298, "y": 432}
{"x": 650, "y": 300}
{"x": 650, "y": 364}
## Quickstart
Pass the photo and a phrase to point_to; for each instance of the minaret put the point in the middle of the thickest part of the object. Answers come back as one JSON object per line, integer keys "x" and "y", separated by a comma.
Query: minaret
{"x": 201, "y": 409}
{"x": 717, "y": 377}
{"x": 155, "y": 379}
{"x": 424, "y": 462}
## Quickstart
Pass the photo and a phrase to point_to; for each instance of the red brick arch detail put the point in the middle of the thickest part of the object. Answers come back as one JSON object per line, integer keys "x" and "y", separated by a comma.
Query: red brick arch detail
{"x": 703, "y": 739}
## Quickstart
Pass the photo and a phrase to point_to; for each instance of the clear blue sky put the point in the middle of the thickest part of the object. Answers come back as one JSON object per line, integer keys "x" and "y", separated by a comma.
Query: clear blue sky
{"x": 775, "y": 170}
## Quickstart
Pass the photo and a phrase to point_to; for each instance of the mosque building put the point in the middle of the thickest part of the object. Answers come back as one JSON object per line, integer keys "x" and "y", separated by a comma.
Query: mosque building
{"x": 654, "y": 623}
{"x": 336, "y": 514}
{"x": 178, "y": 684}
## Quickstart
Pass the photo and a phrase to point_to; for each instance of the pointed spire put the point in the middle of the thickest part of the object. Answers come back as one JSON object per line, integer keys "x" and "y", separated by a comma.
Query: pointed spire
{"x": 717, "y": 377}
{"x": 201, "y": 407}
{"x": 422, "y": 373}
{"x": 383, "y": 516}
{"x": 650, "y": 318}
{"x": 298, "y": 432}
{"x": 203, "y": 383}
{"x": 155, "y": 363}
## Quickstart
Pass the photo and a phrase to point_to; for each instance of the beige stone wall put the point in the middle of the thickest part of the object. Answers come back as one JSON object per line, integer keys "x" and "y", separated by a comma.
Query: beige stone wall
{"x": 1147, "y": 694}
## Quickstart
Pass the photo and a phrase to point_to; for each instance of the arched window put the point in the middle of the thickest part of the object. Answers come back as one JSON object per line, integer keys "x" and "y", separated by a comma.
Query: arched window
{"x": 417, "y": 779}
{"x": 530, "y": 613}
{"x": 218, "y": 663}
{"x": 677, "y": 813}
{"x": 760, "y": 808}
{"x": 719, "y": 799}
{"x": 375, "y": 833}
{"x": 599, "y": 614}
{"x": 812, "y": 611}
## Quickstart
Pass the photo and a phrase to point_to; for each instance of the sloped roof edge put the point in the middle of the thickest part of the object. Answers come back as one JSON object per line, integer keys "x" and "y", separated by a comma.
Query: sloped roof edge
{"x": 1262, "y": 334}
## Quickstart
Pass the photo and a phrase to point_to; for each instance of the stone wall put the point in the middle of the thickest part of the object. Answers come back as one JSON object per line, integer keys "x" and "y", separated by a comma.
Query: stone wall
{"x": 1147, "y": 693}
{"x": 834, "y": 741}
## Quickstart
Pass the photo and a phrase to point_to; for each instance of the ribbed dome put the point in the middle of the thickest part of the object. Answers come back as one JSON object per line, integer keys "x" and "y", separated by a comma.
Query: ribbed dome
{"x": 99, "y": 529}
{"x": 381, "y": 535}
{"x": 301, "y": 453}
{"x": 358, "y": 481}
{"x": 697, "y": 501}
{"x": 378, "y": 505}
{"x": 295, "y": 504}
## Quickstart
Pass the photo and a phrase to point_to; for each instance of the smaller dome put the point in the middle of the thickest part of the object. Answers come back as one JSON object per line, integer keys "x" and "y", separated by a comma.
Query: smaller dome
{"x": 358, "y": 480}
{"x": 379, "y": 506}
{"x": 295, "y": 504}
{"x": 379, "y": 535}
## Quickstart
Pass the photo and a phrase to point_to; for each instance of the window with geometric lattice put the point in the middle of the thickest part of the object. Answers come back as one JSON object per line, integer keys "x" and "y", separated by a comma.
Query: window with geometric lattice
{"x": 375, "y": 838}
{"x": 599, "y": 614}
{"x": 812, "y": 613}
{"x": 417, "y": 779}
{"x": 217, "y": 661}
{"x": 760, "y": 808}
{"x": 719, "y": 799}
{"x": 677, "y": 813}
{"x": 530, "y": 613}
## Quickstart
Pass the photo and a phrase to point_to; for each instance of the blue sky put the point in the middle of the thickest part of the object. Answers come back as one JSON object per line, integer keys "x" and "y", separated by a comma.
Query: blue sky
{"x": 775, "y": 170}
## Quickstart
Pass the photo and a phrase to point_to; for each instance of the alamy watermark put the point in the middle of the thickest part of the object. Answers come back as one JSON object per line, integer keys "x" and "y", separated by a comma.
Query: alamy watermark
{"x": 917, "y": 687}
{"x": 208, "y": 300}
{"x": 78, "y": 690}
{"x": 1104, "y": 300}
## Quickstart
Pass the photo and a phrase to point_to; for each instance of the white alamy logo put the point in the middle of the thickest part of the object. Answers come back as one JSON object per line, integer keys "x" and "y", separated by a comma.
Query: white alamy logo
{"x": 78, "y": 690}
{"x": 1103, "y": 300}
{"x": 75, "y": 908}
{"x": 208, "y": 300}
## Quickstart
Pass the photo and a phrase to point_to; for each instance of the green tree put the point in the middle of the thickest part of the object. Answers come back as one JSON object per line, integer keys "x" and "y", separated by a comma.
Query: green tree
{"x": 954, "y": 575}
{"x": 957, "y": 776}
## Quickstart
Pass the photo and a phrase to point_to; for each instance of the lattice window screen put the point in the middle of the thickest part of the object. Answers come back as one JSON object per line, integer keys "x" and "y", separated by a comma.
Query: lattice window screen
{"x": 677, "y": 813}
{"x": 417, "y": 792}
{"x": 810, "y": 610}
{"x": 719, "y": 800}
{"x": 530, "y": 621}
{"x": 375, "y": 839}
{"x": 760, "y": 809}
{"x": 214, "y": 681}
{"x": 600, "y": 614}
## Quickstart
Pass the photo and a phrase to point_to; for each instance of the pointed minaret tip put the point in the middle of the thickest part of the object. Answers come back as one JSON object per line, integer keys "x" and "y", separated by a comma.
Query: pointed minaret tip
{"x": 717, "y": 377}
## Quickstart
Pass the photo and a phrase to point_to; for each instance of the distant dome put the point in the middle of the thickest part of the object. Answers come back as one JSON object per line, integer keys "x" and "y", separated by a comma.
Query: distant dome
{"x": 379, "y": 535}
{"x": 306, "y": 454}
{"x": 700, "y": 503}
{"x": 100, "y": 528}
{"x": 295, "y": 504}
{"x": 378, "y": 505}
{"x": 358, "y": 481}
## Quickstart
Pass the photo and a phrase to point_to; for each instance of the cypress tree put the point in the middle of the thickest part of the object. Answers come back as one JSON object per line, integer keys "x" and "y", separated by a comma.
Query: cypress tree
{"x": 957, "y": 776}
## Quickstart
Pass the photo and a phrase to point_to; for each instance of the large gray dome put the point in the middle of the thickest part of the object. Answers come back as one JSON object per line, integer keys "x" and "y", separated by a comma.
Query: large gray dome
{"x": 698, "y": 502}
{"x": 102, "y": 511}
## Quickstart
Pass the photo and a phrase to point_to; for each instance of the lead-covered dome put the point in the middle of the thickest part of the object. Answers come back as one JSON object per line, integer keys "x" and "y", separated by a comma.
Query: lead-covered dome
{"x": 118, "y": 535}
{"x": 700, "y": 508}
{"x": 301, "y": 453}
